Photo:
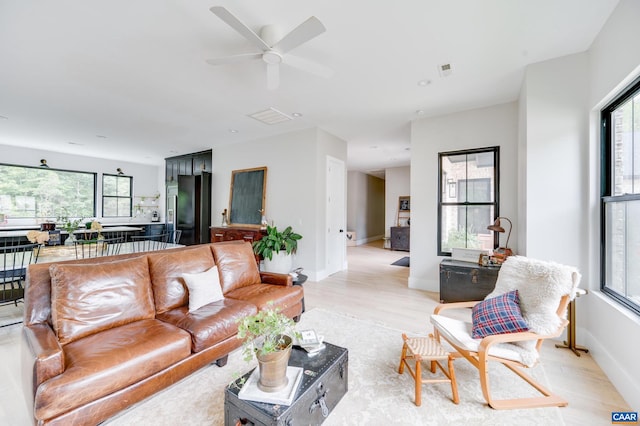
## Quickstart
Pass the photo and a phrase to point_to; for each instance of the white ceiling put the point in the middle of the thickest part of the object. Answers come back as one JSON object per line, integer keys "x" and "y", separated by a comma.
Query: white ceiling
{"x": 125, "y": 79}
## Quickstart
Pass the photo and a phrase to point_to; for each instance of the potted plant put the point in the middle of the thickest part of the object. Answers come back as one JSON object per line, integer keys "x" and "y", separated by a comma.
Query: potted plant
{"x": 69, "y": 225}
{"x": 276, "y": 248}
{"x": 269, "y": 336}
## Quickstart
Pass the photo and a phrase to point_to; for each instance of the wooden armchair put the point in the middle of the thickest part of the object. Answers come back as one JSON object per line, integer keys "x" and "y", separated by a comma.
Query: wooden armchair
{"x": 545, "y": 290}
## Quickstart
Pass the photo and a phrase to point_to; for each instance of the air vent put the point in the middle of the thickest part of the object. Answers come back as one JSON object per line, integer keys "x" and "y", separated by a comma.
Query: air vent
{"x": 445, "y": 70}
{"x": 271, "y": 116}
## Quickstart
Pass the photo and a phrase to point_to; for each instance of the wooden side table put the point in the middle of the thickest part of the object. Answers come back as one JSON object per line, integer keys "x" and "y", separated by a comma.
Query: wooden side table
{"x": 570, "y": 343}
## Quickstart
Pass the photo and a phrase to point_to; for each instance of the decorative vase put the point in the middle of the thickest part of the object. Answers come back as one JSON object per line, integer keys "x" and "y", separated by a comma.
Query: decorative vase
{"x": 273, "y": 368}
{"x": 70, "y": 240}
{"x": 281, "y": 263}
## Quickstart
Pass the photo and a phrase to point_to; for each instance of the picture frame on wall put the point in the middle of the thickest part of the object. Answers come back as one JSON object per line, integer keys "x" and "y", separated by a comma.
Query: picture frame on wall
{"x": 404, "y": 204}
{"x": 404, "y": 211}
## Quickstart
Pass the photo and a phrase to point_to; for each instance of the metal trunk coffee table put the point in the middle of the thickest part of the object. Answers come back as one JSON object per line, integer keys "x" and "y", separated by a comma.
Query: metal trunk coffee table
{"x": 323, "y": 384}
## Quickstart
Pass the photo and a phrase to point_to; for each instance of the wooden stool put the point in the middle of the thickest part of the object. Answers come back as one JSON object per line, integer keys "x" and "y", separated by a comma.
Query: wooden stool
{"x": 427, "y": 349}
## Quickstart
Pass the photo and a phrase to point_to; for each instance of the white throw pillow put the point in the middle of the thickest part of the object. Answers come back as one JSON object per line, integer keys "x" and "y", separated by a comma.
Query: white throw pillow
{"x": 204, "y": 288}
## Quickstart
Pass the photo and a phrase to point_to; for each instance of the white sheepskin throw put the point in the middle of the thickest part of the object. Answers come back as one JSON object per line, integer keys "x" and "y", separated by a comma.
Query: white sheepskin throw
{"x": 540, "y": 286}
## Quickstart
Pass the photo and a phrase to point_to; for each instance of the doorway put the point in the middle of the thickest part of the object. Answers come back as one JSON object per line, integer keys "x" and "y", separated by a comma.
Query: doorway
{"x": 336, "y": 243}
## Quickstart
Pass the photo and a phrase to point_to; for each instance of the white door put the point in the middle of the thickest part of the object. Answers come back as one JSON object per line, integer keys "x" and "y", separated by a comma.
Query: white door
{"x": 336, "y": 241}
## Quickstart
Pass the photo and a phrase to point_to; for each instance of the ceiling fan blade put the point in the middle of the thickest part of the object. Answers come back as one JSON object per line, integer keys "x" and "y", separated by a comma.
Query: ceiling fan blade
{"x": 308, "y": 66}
{"x": 304, "y": 32}
{"x": 234, "y": 58}
{"x": 273, "y": 76}
{"x": 237, "y": 25}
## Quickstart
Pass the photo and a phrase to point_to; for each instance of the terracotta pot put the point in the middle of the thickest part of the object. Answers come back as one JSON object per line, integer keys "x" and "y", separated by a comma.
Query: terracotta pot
{"x": 273, "y": 368}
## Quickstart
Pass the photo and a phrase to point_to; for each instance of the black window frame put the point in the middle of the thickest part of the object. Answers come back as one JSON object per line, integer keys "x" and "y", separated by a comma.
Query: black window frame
{"x": 63, "y": 210}
{"x": 606, "y": 188}
{"x": 118, "y": 197}
{"x": 496, "y": 202}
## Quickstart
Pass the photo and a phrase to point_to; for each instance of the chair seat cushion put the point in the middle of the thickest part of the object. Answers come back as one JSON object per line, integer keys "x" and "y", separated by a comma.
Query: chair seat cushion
{"x": 212, "y": 323}
{"x": 108, "y": 361}
{"x": 458, "y": 333}
{"x": 498, "y": 315}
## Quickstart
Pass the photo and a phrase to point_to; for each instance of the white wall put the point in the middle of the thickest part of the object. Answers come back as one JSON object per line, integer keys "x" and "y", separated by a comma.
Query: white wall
{"x": 556, "y": 160}
{"x": 611, "y": 331}
{"x": 296, "y": 180}
{"x": 559, "y": 156}
{"x": 491, "y": 126}
{"x": 147, "y": 180}
{"x": 397, "y": 184}
{"x": 365, "y": 206}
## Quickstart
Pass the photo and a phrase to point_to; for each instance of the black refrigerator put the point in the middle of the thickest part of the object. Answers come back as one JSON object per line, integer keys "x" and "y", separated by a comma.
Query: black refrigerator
{"x": 189, "y": 207}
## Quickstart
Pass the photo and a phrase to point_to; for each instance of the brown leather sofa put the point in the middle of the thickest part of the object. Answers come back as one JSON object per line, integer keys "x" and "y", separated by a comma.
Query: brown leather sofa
{"x": 111, "y": 331}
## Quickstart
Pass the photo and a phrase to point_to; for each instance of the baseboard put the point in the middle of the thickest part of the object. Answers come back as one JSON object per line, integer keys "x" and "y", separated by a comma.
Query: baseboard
{"x": 369, "y": 239}
{"x": 619, "y": 377}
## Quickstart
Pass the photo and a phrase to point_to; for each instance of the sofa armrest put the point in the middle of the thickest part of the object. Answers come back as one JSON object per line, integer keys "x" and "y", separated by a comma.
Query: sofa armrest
{"x": 42, "y": 357}
{"x": 277, "y": 279}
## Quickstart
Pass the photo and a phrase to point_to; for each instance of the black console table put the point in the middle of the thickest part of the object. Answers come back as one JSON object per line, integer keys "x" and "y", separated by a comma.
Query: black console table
{"x": 400, "y": 238}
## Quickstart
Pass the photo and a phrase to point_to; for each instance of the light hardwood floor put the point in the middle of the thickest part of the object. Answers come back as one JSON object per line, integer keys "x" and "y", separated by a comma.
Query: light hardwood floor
{"x": 373, "y": 289}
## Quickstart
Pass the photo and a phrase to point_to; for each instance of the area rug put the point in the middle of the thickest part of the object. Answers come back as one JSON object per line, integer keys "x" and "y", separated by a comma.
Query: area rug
{"x": 402, "y": 262}
{"x": 377, "y": 394}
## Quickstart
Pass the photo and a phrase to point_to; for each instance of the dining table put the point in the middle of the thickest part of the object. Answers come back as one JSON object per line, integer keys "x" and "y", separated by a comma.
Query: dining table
{"x": 60, "y": 253}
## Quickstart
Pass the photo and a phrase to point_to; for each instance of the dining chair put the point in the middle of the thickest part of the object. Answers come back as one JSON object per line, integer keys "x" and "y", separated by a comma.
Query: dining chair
{"x": 176, "y": 236}
{"x": 15, "y": 259}
{"x": 527, "y": 306}
{"x": 98, "y": 247}
{"x": 143, "y": 243}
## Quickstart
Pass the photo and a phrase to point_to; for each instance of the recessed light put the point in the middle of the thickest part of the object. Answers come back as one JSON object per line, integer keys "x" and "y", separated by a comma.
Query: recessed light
{"x": 420, "y": 112}
{"x": 101, "y": 136}
{"x": 296, "y": 114}
{"x": 373, "y": 147}
{"x": 173, "y": 151}
{"x": 75, "y": 143}
{"x": 423, "y": 83}
{"x": 407, "y": 148}
{"x": 233, "y": 131}
{"x": 2, "y": 117}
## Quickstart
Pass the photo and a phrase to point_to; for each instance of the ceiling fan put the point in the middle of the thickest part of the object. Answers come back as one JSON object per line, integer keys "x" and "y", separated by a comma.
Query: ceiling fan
{"x": 274, "y": 50}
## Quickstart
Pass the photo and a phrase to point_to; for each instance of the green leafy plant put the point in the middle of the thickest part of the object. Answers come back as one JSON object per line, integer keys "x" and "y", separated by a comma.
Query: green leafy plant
{"x": 275, "y": 241}
{"x": 264, "y": 332}
{"x": 68, "y": 224}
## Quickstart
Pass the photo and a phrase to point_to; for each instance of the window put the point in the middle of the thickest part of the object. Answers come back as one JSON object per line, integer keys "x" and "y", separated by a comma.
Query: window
{"x": 44, "y": 193}
{"x": 116, "y": 195}
{"x": 467, "y": 199}
{"x": 620, "y": 198}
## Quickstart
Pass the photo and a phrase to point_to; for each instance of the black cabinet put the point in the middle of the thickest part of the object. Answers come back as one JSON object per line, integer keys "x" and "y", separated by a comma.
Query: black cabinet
{"x": 464, "y": 281}
{"x": 154, "y": 229}
{"x": 400, "y": 238}
{"x": 202, "y": 163}
{"x": 178, "y": 166}
{"x": 187, "y": 165}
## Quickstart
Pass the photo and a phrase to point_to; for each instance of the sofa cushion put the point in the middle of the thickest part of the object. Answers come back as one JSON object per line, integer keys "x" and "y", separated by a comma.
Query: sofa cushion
{"x": 212, "y": 323}
{"x": 261, "y": 294}
{"x": 237, "y": 265}
{"x": 167, "y": 268}
{"x": 109, "y": 361}
{"x": 89, "y": 298}
{"x": 204, "y": 288}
